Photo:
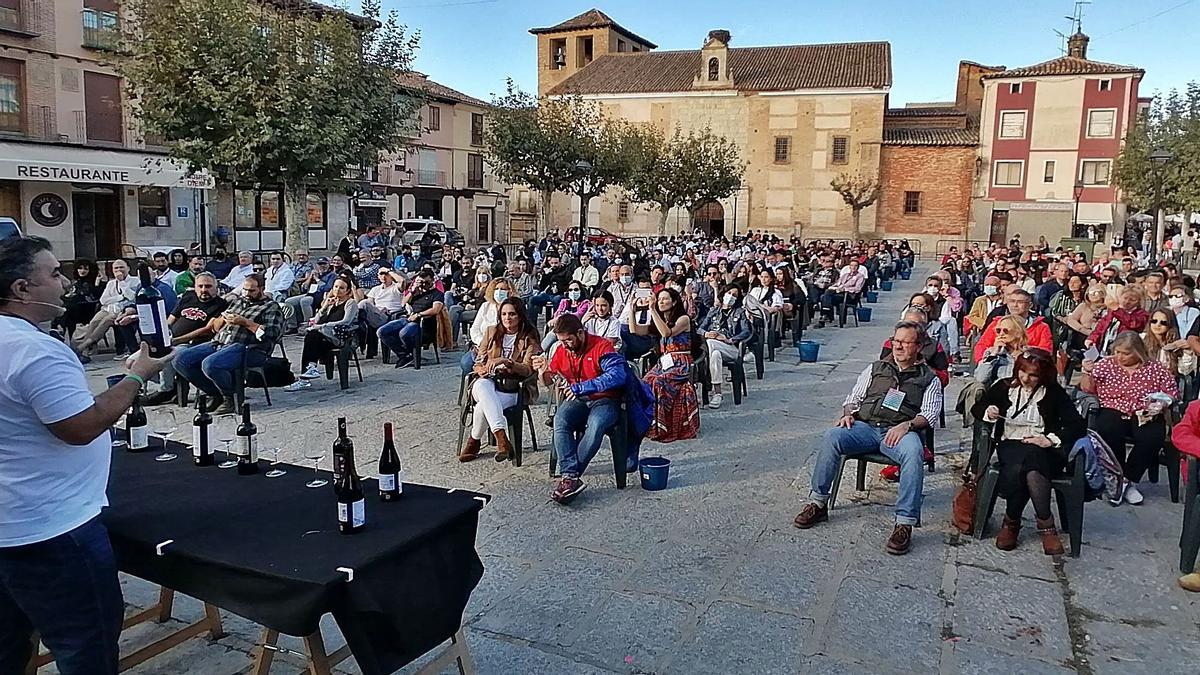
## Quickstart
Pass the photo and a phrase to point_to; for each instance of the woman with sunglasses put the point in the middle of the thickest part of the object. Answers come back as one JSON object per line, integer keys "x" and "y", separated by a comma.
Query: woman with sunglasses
{"x": 1164, "y": 345}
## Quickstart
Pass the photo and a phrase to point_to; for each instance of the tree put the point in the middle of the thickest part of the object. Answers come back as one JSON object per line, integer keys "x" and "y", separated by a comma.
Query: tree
{"x": 273, "y": 92}
{"x": 859, "y": 192}
{"x": 1173, "y": 124}
{"x": 604, "y": 151}
{"x": 685, "y": 171}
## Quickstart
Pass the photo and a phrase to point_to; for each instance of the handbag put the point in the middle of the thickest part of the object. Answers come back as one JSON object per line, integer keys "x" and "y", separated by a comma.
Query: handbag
{"x": 963, "y": 505}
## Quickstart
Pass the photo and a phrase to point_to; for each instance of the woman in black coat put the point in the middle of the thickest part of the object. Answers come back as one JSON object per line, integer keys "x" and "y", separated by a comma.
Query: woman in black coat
{"x": 1036, "y": 425}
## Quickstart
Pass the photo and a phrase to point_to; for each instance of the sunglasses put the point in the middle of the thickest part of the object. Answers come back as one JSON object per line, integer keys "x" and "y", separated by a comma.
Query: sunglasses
{"x": 1160, "y": 322}
{"x": 1001, "y": 331}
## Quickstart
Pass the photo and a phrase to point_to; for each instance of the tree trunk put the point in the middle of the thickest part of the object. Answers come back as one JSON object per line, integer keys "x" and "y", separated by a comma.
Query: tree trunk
{"x": 295, "y": 216}
{"x": 662, "y": 220}
{"x": 855, "y": 213}
{"x": 584, "y": 200}
{"x": 544, "y": 214}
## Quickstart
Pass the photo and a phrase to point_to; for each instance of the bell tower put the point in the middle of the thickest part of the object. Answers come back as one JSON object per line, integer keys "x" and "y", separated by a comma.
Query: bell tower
{"x": 568, "y": 47}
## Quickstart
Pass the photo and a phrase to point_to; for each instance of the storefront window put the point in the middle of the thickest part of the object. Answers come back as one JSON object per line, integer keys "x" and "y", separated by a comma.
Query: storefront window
{"x": 268, "y": 210}
{"x": 316, "y": 210}
{"x": 153, "y": 205}
{"x": 244, "y": 209}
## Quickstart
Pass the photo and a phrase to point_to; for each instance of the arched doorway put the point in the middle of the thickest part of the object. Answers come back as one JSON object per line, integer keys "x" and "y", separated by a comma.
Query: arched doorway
{"x": 710, "y": 219}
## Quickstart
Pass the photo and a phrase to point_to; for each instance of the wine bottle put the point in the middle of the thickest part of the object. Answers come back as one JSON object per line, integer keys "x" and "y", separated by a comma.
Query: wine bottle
{"x": 391, "y": 475}
{"x": 152, "y": 316}
{"x": 202, "y": 454}
{"x": 247, "y": 435}
{"x": 352, "y": 507}
{"x": 136, "y": 426}
{"x": 342, "y": 446}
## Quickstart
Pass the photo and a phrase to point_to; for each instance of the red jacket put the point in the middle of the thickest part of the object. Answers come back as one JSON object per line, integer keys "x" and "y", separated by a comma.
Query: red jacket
{"x": 1038, "y": 332}
{"x": 1186, "y": 433}
{"x": 581, "y": 368}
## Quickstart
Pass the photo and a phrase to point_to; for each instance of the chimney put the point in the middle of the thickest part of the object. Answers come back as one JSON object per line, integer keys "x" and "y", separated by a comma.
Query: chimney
{"x": 1077, "y": 45}
{"x": 722, "y": 36}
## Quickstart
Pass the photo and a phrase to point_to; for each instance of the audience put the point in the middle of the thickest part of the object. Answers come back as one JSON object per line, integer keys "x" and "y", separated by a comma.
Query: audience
{"x": 333, "y": 324}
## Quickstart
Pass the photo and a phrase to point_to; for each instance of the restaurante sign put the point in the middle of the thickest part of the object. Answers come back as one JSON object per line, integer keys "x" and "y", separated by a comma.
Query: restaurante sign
{"x": 81, "y": 173}
{"x": 52, "y": 163}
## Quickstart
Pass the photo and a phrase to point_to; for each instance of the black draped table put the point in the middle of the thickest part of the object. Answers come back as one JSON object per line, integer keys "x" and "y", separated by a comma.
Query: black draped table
{"x": 268, "y": 549}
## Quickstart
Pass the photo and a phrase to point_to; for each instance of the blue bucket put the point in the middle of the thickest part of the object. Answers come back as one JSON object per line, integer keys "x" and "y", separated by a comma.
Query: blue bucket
{"x": 905, "y": 274}
{"x": 808, "y": 350}
{"x": 872, "y": 296}
{"x": 864, "y": 314}
{"x": 654, "y": 472}
{"x": 885, "y": 285}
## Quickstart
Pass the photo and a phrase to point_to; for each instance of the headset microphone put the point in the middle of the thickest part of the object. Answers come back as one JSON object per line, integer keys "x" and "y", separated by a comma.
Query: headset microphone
{"x": 60, "y": 308}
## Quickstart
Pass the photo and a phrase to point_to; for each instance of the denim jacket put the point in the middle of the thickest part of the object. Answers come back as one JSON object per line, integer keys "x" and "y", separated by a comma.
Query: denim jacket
{"x": 732, "y": 323}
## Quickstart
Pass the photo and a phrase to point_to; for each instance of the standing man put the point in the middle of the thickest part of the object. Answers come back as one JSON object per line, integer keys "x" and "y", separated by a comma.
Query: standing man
{"x": 58, "y": 576}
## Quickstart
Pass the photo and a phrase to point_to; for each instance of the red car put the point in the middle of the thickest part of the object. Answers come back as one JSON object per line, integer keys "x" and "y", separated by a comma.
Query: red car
{"x": 595, "y": 236}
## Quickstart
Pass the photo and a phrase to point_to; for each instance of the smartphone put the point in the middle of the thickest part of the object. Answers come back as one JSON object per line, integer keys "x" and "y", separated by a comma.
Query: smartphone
{"x": 640, "y": 292}
{"x": 1092, "y": 354}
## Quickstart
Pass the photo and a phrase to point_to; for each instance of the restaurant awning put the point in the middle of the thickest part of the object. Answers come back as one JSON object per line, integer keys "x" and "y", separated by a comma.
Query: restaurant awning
{"x": 67, "y": 164}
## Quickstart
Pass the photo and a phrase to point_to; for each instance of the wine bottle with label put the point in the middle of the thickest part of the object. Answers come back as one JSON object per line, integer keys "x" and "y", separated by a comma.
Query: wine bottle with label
{"x": 136, "y": 427}
{"x": 247, "y": 443}
{"x": 352, "y": 507}
{"x": 391, "y": 475}
{"x": 202, "y": 454}
{"x": 342, "y": 446}
{"x": 152, "y": 316}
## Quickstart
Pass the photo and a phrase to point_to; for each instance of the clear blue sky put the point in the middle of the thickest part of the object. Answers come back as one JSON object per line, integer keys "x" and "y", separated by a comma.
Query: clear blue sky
{"x": 473, "y": 45}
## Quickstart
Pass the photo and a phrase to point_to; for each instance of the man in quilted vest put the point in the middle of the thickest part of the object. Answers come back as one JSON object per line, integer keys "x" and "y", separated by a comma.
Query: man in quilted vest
{"x": 893, "y": 400}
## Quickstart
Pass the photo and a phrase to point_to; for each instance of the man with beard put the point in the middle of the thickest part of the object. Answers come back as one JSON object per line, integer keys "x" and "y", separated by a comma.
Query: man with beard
{"x": 190, "y": 324}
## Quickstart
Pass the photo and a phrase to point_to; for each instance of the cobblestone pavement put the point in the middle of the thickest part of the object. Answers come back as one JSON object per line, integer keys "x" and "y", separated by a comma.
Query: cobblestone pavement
{"x": 710, "y": 576}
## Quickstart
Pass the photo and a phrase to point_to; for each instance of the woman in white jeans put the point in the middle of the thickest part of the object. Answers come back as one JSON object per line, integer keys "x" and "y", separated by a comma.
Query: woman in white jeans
{"x": 724, "y": 328}
{"x": 504, "y": 362}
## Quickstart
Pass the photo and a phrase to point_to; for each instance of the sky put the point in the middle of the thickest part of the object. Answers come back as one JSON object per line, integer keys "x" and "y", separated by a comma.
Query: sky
{"x": 474, "y": 45}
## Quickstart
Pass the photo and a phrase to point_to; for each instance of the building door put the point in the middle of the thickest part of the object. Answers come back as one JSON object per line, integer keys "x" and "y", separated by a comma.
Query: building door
{"x": 483, "y": 226}
{"x": 97, "y": 225}
{"x": 710, "y": 219}
{"x": 999, "y": 233}
{"x": 10, "y": 200}
{"x": 429, "y": 208}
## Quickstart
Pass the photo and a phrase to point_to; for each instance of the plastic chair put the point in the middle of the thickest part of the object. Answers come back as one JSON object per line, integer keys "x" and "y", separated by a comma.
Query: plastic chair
{"x": 849, "y": 301}
{"x": 514, "y": 414}
{"x": 341, "y": 358}
{"x": 616, "y": 440}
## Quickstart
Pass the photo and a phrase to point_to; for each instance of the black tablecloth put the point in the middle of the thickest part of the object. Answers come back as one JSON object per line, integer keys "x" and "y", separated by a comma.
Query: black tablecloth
{"x": 268, "y": 549}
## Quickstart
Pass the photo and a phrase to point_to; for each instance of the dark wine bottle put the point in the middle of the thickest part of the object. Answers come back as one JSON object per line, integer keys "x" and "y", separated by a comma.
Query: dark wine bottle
{"x": 136, "y": 426}
{"x": 152, "y": 316}
{"x": 202, "y": 454}
{"x": 247, "y": 439}
{"x": 391, "y": 475}
{"x": 352, "y": 507}
{"x": 342, "y": 446}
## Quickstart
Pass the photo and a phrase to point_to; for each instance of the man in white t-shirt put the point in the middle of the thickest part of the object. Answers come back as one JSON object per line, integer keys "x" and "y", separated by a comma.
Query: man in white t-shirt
{"x": 58, "y": 575}
{"x": 384, "y": 301}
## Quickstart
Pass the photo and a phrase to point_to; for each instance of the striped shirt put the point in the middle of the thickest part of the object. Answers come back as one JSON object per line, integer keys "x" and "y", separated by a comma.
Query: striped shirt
{"x": 931, "y": 401}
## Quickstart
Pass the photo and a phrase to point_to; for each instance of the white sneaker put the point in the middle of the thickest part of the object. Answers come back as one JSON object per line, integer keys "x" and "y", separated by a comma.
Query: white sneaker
{"x": 311, "y": 373}
{"x": 298, "y": 385}
{"x": 1133, "y": 496}
{"x": 1118, "y": 498}
{"x": 715, "y": 401}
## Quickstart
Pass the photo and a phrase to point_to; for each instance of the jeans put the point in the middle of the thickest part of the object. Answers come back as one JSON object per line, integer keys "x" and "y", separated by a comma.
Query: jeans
{"x": 401, "y": 336}
{"x": 592, "y": 419}
{"x": 211, "y": 367}
{"x": 467, "y": 362}
{"x": 863, "y": 438}
{"x": 66, "y": 589}
{"x": 540, "y": 299}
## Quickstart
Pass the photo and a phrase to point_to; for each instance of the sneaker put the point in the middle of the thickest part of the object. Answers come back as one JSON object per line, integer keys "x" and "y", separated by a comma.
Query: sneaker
{"x": 298, "y": 385}
{"x": 404, "y": 360}
{"x": 160, "y": 398}
{"x": 890, "y": 473}
{"x": 566, "y": 489}
{"x": 121, "y": 357}
{"x": 900, "y": 541}
{"x": 310, "y": 373}
{"x": 715, "y": 401}
{"x": 1190, "y": 582}
{"x": 1133, "y": 496}
{"x": 811, "y": 514}
{"x": 226, "y": 407}
{"x": 1116, "y": 499}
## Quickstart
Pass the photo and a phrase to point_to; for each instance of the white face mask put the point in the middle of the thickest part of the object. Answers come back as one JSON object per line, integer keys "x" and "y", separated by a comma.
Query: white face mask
{"x": 626, "y": 279}
{"x": 729, "y": 299}
{"x": 1175, "y": 303}
{"x": 574, "y": 295}
{"x": 989, "y": 290}
{"x": 500, "y": 294}
{"x": 933, "y": 290}
{"x": 483, "y": 278}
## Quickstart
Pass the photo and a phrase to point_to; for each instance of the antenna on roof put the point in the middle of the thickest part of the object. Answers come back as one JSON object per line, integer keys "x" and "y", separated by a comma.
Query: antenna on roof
{"x": 1062, "y": 37}
{"x": 1076, "y": 19}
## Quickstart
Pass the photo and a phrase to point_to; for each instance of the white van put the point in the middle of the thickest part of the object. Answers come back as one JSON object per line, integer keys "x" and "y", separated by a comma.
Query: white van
{"x": 416, "y": 229}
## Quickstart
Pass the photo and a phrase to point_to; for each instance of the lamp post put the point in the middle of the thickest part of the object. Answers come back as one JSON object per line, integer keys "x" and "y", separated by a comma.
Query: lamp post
{"x": 1159, "y": 160}
{"x": 583, "y": 169}
{"x": 1075, "y": 218}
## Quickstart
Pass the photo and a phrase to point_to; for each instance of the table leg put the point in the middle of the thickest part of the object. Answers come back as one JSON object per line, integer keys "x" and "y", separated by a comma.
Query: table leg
{"x": 266, "y": 652}
{"x": 466, "y": 665}
{"x": 318, "y": 660}
{"x": 456, "y": 653}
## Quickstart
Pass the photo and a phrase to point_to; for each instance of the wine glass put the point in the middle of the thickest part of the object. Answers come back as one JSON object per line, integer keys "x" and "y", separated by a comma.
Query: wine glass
{"x": 116, "y": 428}
{"x": 227, "y": 433}
{"x": 165, "y": 425}
{"x": 275, "y": 471}
{"x": 315, "y": 450}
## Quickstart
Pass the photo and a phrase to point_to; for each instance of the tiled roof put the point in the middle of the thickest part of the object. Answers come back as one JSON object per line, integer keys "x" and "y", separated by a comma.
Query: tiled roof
{"x": 321, "y": 9}
{"x": 855, "y": 64}
{"x": 593, "y": 18}
{"x": 1066, "y": 65}
{"x": 931, "y": 137}
{"x": 437, "y": 90}
{"x": 925, "y": 111}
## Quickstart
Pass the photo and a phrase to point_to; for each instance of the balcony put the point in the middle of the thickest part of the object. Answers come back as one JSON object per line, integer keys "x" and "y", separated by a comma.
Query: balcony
{"x": 38, "y": 124}
{"x": 99, "y": 128}
{"x": 21, "y": 20}
{"x": 427, "y": 178}
{"x": 101, "y": 30}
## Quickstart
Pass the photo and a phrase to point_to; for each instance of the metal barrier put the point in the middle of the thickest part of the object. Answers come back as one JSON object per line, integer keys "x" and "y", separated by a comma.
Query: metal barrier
{"x": 942, "y": 247}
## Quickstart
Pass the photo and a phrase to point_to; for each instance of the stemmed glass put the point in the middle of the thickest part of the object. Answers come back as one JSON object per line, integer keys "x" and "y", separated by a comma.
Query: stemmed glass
{"x": 227, "y": 433}
{"x": 315, "y": 450}
{"x": 117, "y": 427}
{"x": 165, "y": 425}
{"x": 275, "y": 471}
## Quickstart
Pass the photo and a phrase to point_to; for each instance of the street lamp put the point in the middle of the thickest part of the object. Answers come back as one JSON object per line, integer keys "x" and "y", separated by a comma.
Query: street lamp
{"x": 1075, "y": 218}
{"x": 583, "y": 169}
{"x": 1159, "y": 160}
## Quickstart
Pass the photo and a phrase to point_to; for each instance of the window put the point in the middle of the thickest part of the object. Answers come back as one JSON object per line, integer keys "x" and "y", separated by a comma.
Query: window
{"x": 1048, "y": 172}
{"x": 268, "y": 210}
{"x": 10, "y": 14}
{"x": 256, "y": 210}
{"x": 1012, "y": 124}
{"x": 1105, "y": 85}
{"x": 1014, "y": 88}
{"x": 102, "y": 108}
{"x": 714, "y": 69}
{"x": 11, "y": 94}
{"x": 841, "y": 150}
{"x": 912, "y": 202}
{"x": 1094, "y": 171}
{"x": 623, "y": 210}
{"x": 101, "y": 26}
{"x": 558, "y": 54}
{"x": 435, "y": 118}
{"x": 1101, "y": 123}
{"x": 314, "y": 206}
{"x": 154, "y": 205}
{"x": 476, "y": 128}
{"x": 637, "y": 48}
{"x": 583, "y": 49}
{"x": 1008, "y": 173}
{"x": 783, "y": 149}
{"x": 621, "y": 46}
{"x": 483, "y": 226}
{"x": 475, "y": 171}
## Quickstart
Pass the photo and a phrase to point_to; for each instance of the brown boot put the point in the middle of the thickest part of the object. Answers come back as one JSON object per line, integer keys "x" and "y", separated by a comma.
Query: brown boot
{"x": 1006, "y": 538}
{"x": 1051, "y": 543}
{"x": 470, "y": 451}
{"x": 503, "y": 447}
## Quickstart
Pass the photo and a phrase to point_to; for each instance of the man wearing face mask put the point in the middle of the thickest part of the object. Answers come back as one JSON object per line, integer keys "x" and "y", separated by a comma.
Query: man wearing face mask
{"x": 220, "y": 265}
{"x": 724, "y": 328}
{"x": 977, "y": 318}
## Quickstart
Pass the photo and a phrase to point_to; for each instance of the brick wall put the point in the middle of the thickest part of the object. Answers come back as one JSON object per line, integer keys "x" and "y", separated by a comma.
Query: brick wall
{"x": 943, "y": 177}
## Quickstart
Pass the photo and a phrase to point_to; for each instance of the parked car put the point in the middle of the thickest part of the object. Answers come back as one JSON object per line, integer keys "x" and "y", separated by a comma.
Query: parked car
{"x": 9, "y": 228}
{"x": 426, "y": 230}
{"x": 596, "y": 236}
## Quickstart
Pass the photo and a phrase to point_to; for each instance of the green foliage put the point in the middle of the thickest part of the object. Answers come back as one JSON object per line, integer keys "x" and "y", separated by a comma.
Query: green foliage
{"x": 686, "y": 170}
{"x": 1173, "y": 124}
